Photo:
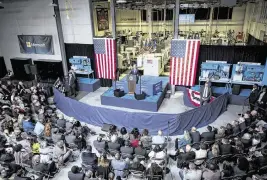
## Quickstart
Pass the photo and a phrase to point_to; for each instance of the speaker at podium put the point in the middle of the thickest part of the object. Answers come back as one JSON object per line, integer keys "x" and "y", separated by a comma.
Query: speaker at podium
{"x": 131, "y": 79}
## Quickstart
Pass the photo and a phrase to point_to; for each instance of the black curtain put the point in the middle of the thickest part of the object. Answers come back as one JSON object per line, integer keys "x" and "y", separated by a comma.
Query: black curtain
{"x": 19, "y": 70}
{"x": 253, "y": 41}
{"x": 85, "y": 50}
{"x": 232, "y": 54}
{"x": 3, "y": 70}
{"x": 49, "y": 71}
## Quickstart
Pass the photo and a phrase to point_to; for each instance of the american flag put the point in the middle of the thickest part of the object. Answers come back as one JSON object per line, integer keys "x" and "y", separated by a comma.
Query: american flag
{"x": 105, "y": 55}
{"x": 184, "y": 59}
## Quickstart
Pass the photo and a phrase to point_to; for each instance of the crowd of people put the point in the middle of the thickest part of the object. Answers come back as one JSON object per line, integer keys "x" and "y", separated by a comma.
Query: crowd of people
{"x": 35, "y": 139}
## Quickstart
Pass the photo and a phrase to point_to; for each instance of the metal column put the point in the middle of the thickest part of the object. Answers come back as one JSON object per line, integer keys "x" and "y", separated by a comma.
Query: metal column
{"x": 149, "y": 20}
{"x": 91, "y": 12}
{"x": 61, "y": 38}
{"x": 113, "y": 17}
{"x": 176, "y": 30}
{"x": 210, "y": 24}
{"x": 176, "y": 20}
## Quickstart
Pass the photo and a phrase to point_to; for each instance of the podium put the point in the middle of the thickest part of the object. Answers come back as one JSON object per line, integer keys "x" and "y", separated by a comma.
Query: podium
{"x": 131, "y": 79}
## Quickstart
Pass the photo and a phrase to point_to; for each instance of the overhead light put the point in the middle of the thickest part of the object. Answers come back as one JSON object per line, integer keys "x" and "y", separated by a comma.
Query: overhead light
{"x": 53, "y": 4}
{"x": 121, "y": 1}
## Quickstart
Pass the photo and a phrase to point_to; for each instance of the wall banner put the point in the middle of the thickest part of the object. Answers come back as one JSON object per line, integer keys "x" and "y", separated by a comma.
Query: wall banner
{"x": 36, "y": 44}
{"x": 102, "y": 19}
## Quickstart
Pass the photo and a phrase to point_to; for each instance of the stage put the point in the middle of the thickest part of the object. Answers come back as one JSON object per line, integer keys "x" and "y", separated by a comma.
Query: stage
{"x": 150, "y": 103}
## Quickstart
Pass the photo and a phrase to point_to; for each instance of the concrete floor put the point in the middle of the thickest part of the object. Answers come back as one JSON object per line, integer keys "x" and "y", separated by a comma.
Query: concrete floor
{"x": 172, "y": 105}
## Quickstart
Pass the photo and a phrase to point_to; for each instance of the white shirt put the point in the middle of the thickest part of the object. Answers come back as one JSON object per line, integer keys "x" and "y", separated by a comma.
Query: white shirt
{"x": 192, "y": 175}
{"x": 158, "y": 140}
{"x": 200, "y": 154}
{"x": 205, "y": 93}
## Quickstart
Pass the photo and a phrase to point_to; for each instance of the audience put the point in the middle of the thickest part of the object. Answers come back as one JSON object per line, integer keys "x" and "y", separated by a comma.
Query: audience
{"x": 46, "y": 149}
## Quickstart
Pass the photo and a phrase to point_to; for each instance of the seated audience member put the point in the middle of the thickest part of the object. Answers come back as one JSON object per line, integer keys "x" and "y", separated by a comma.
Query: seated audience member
{"x": 229, "y": 130}
{"x": 71, "y": 139}
{"x": 228, "y": 170}
{"x": 89, "y": 159}
{"x": 100, "y": 145}
{"x": 46, "y": 152}
{"x": 262, "y": 132}
{"x": 76, "y": 173}
{"x": 195, "y": 135}
{"x": 159, "y": 139}
{"x": 238, "y": 147}
{"x": 114, "y": 146}
{"x": 135, "y": 141}
{"x": 26, "y": 144}
{"x": 69, "y": 125}
{"x": 192, "y": 173}
{"x": 127, "y": 151}
{"x": 27, "y": 124}
{"x": 118, "y": 165}
{"x": 247, "y": 118}
{"x": 201, "y": 153}
{"x": 225, "y": 147}
{"x": 246, "y": 140}
{"x": 242, "y": 124}
{"x": 220, "y": 133}
{"x": 44, "y": 168}
{"x": 136, "y": 165}
{"x": 146, "y": 139}
{"x": 22, "y": 156}
{"x": 208, "y": 136}
{"x": 8, "y": 170}
{"x": 157, "y": 155}
{"x": 241, "y": 167}
{"x": 182, "y": 156}
{"x": 140, "y": 150}
{"x": 124, "y": 134}
{"x": 134, "y": 134}
{"x": 256, "y": 140}
{"x": 61, "y": 122}
{"x": 211, "y": 173}
{"x": 236, "y": 128}
{"x": 56, "y": 136}
{"x": 262, "y": 160}
{"x": 60, "y": 153}
{"x": 215, "y": 151}
{"x": 184, "y": 141}
{"x": 154, "y": 170}
{"x": 103, "y": 166}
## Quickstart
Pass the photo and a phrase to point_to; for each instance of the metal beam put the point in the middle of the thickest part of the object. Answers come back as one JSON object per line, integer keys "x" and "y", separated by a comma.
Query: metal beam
{"x": 60, "y": 38}
{"x": 113, "y": 17}
{"x": 176, "y": 21}
{"x": 91, "y": 12}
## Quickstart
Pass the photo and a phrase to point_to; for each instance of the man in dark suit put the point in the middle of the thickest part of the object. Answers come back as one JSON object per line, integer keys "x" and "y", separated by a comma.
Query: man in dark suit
{"x": 127, "y": 151}
{"x": 195, "y": 135}
{"x": 72, "y": 84}
{"x": 89, "y": 159}
{"x": 253, "y": 97}
{"x": 208, "y": 136}
{"x": 225, "y": 147}
{"x": 101, "y": 146}
{"x": 205, "y": 94}
{"x": 135, "y": 71}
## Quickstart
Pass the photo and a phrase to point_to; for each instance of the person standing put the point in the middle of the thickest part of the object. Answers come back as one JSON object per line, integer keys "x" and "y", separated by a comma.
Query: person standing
{"x": 72, "y": 83}
{"x": 253, "y": 97}
{"x": 262, "y": 100}
{"x": 205, "y": 94}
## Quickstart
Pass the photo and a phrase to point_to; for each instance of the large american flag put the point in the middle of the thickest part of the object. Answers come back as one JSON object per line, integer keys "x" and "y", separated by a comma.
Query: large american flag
{"x": 105, "y": 55}
{"x": 184, "y": 59}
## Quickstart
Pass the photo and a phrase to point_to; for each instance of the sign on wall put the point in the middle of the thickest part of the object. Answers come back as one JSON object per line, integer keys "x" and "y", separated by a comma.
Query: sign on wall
{"x": 36, "y": 44}
{"x": 186, "y": 18}
{"x": 102, "y": 19}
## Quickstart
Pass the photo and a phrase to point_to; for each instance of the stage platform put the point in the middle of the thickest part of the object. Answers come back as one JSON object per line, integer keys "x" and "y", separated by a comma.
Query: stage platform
{"x": 150, "y": 103}
{"x": 88, "y": 85}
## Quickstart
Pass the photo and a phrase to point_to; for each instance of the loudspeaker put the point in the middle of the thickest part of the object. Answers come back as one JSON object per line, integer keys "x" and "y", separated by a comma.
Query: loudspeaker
{"x": 27, "y": 68}
{"x": 33, "y": 69}
{"x": 140, "y": 96}
{"x": 118, "y": 93}
{"x": 107, "y": 127}
{"x": 236, "y": 89}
